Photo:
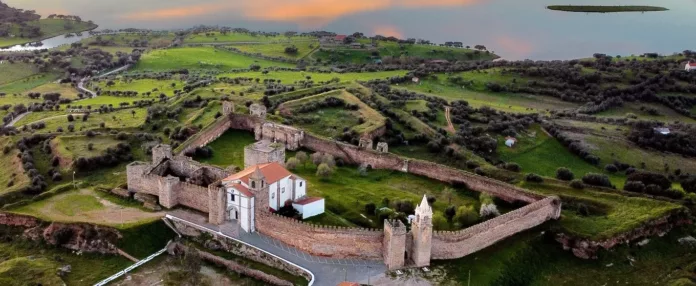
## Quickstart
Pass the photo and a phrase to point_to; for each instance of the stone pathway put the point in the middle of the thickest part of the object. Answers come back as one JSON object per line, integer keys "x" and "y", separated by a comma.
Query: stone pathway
{"x": 327, "y": 271}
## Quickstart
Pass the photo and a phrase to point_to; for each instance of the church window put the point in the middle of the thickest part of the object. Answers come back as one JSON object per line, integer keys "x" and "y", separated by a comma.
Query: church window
{"x": 300, "y": 184}
{"x": 282, "y": 190}
{"x": 232, "y": 197}
{"x": 272, "y": 195}
{"x": 253, "y": 184}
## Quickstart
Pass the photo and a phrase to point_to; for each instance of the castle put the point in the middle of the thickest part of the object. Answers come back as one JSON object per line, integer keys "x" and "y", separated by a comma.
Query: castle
{"x": 178, "y": 180}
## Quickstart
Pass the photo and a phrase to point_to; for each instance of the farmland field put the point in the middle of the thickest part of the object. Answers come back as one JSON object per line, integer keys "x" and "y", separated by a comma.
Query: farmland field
{"x": 199, "y": 58}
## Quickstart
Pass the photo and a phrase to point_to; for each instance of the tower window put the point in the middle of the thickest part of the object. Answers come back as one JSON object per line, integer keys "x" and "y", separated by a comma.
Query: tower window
{"x": 253, "y": 184}
{"x": 300, "y": 184}
{"x": 282, "y": 190}
{"x": 232, "y": 197}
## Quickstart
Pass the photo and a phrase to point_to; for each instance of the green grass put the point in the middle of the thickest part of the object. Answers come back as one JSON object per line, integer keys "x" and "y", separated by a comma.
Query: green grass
{"x": 216, "y": 37}
{"x": 199, "y": 58}
{"x": 278, "y": 49}
{"x": 17, "y": 271}
{"x": 115, "y": 120}
{"x": 144, "y": 85}
{"x": 12, "y": 171}
{"x": 623, "y": 213}
{"x": 26, "y": 84}
{"x": 229, "y": 149}
{"x": 65, "y": 90}
{"x": 288, "y": 77}
{"x": 417, "y": 105}
{"x": 394, "y": 50}
{"x": 334, "y": 120}
{"x": 78, "y": 146}
{"x": 124, "y": 41}
{"x": 543, "y": 154}
{"x": 142, "y": 240}
{"x": 49, "y": 28}
{"x": 346, "y": 192}
{"x": 665, "y": 114}
{"x": 87, "y": 268}
{"x": 604, "y": 9}
{"x": 77, "y": 203}
{"x": 16, "y": 71}
{"x": 107, "y": 100}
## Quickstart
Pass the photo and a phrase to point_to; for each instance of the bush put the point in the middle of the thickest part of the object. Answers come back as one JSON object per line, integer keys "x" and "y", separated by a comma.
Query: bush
{"x": 512, "y": 167}
{"x": 634, "y": 186}
{"x": 292, "y": 163}
{"x": 649, "y": 178}
{"x": 466, "y": 216}
{"x": 595, "y": 179}
{"x": 450, "y": 212}
{"x": 439, "y": 222}
{"x": 301, "y": 157}
{"x": 564, "y": 174}
{"x": 534, "y": 178}
{"x": 689, "y": 184}
{"x": 611, "y": 168}
{"x": 471, "y": 164}
{"x": 370, "y": 208}
{"x": 405, "y": 206}
{"x": 324, "y": 171}
{"x": 577, "y": 184}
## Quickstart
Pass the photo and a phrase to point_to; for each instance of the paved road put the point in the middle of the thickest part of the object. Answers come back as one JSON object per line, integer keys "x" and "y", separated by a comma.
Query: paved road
{"x": 81, "y": 84}
{"x": 327, "y": 271}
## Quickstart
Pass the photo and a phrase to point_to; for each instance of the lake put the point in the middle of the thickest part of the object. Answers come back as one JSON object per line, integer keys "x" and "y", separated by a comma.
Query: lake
{"x": 514, "y": 29}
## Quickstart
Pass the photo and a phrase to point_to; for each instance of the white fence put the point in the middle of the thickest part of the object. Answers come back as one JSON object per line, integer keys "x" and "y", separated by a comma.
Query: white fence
{"x": 130, "y": 268}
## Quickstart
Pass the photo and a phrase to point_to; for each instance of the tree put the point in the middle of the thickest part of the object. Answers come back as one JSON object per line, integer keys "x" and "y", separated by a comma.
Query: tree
{"x": 133, "y": 113}
{"x": 370, "y": 208}
{"x": 564, "y": 174}
{"x": 450, "y": 212}
{"x": 689, "y": 184}
{"x": 466, "y": 216}
{"x": 595, "y": 179}
{"x": 431, "y": 200}
{"x": 649, "y": 178}
{"x": 70, "y": 118}
{"x": 534, "y": 178}
{"x": 439, "y": 222}
{"x": 324, "y": 171}
{"x": 317, "y": 158}
{"x": 292, "y": 163}
{"x": 448, "y": 193}
{"x": 301, "y": 157}
{"x": 291, "y": 50}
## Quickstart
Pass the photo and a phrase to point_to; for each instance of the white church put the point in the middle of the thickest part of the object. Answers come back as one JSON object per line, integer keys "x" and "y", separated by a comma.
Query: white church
{"x": 690, "y": 66}
{"x": 267, "y": 179}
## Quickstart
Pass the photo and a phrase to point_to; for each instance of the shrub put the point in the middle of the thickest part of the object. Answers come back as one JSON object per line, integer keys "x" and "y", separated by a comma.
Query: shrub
{"x": 324, "y": 171}
{"x": 466, "y": 216}
{"x": 70, "y": 118}
{"x": 90, "y": 146}
{"x": 439, "y": 222}
{"x": 649, "y": 178}
{"x": 317, "y": 158}
{"x": 301, "y": 157}
{"x": 534, "y": 178}
{"x": 370, "y": 208}
{"x": 634, "y": 186}
{"x": 595, "y": 179}
{"x": 471, "y": 164}
{"x": 689, "y": 184}
{"x": 564, "y": 174}
{"x": 577, "y": 184}
{"x": 611, "y": 168}
{"x": 431, "y": 199}
{"x": 57, "y": 177}
{"x": 292, "y": 163}
{"x": 405, "y": 206}
{"x": 512, "y": 167}
{"x": 489, "y": 211}
{"x": 450, "y": 212}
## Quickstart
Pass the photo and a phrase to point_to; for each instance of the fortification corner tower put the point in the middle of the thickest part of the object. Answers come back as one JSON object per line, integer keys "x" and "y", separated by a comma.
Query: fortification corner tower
{"x": 394, "y": 244}
{"x": 422, "y": 231}
{"x": 160, "y": 152}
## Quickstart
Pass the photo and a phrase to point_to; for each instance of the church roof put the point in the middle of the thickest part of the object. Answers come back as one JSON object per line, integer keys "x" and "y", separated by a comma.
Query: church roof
{"x": 273, "y": 172}
{"x": 242, "y": 189}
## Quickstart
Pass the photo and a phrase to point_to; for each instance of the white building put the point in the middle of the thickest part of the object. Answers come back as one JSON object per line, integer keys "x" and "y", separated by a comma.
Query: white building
{"x": 690, "y": 66}
{"x": 274, "y": 181}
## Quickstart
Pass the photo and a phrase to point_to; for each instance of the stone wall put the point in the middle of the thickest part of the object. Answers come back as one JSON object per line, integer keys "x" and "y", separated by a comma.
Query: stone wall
{"x": 207, "y": 135}
{"x": 326, "y": 241}
{"x": 452, "y": 245}
{"x": 192, "y": 196}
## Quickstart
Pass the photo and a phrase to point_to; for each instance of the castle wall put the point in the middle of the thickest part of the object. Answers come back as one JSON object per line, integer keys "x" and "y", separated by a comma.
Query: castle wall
{"x": 452, "y": 245}
{"x": 193, "y": 196}
{"x": 209, "y": 134}
{"x": 326, "y": 241}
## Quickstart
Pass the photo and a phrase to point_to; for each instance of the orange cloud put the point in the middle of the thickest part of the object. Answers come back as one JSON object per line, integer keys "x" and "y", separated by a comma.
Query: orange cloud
{"x": 516, "y": 47}
{"x": 388, "y": 31}
{"x": 314, "y": 12}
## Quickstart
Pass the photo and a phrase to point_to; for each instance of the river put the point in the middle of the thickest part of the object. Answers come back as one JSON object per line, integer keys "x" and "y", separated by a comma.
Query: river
{"x": 514, "y": 29}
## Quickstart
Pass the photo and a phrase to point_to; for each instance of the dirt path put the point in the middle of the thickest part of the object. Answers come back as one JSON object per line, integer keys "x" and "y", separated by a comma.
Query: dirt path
{"x": 52, "y": 117}
{"x": 450, "y": 126}
{"x": 18, "y": 118}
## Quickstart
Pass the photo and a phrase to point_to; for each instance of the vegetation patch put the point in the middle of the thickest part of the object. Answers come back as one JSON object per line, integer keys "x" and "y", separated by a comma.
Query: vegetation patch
{"x": 198, "y": 58}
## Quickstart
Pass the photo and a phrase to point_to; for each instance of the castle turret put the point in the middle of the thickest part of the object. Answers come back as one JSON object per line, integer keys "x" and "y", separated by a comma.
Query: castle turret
{"x": 422, "y": 231}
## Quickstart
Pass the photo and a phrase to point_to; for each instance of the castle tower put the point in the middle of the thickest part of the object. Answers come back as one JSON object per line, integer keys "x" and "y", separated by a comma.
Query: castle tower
{"x": 227, "y": 108}
{"x": 394, "y": 244}
{"x": 422, "y": 231}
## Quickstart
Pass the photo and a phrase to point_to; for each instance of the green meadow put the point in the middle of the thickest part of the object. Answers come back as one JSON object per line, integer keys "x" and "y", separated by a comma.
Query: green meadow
{"x": 199, "y": 58}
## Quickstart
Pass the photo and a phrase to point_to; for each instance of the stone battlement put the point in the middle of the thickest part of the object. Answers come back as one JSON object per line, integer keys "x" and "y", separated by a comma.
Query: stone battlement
{"x": 325, "y": 228}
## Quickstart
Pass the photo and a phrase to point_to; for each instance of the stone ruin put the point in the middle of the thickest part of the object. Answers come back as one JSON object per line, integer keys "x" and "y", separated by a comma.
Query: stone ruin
{"x": 227, "y": 108}
{"x": 383, "y": 147}
{"x": 264, "y": 152}
{"x": 257, "y": 110}
{"x": 365, "y": 143}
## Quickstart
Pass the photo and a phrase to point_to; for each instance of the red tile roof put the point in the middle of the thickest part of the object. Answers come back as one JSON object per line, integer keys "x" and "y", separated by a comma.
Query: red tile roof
{"x": 272, "y": 171}
{"x": 692, "y": 64}
{"x": 242, "y": 189}
{"x": 348, "y": 284}
{"x": 307, "y": 200}
{"x": 340, "y": 37}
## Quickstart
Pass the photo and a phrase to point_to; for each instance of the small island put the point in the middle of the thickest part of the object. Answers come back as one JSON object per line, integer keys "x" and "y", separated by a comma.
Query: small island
{"x": 605, "y": 9}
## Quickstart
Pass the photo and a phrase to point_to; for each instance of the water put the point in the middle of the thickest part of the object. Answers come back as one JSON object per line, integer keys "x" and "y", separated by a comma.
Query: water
{"x": 48, "y": 43}
{"x": 515, "y": 29}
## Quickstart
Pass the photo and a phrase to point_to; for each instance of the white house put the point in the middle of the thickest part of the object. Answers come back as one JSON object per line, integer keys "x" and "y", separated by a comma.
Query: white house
{"x": 510, "y": 141}
{"x": 274, "y": 181}
{"x": 690, "y": 66}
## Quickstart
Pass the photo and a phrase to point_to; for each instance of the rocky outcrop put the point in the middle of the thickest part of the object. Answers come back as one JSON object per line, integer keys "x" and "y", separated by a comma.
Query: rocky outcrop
{"x": 75, "y": 236}
{"x": 588, "y": 249}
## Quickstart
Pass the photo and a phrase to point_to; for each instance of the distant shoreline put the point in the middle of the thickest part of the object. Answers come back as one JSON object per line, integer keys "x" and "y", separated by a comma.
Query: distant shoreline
{"x": 45, "y": 37}
{"x": 604, "y": 9}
